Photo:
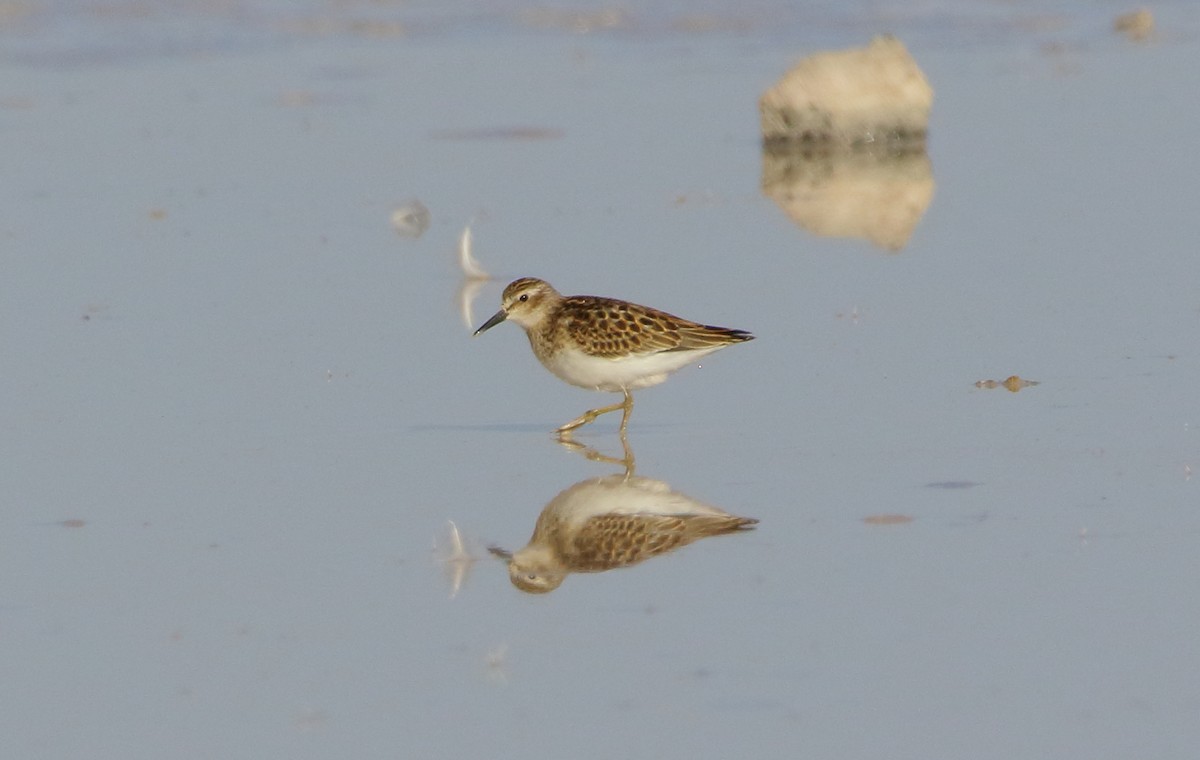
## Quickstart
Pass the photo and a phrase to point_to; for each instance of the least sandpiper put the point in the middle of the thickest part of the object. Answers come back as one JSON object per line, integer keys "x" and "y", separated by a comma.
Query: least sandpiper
{"x": 611, "y": 522}
{"x": 604, "y": 344}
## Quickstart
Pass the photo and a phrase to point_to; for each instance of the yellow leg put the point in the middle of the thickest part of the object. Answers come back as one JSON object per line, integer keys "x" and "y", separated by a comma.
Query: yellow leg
{"x": 592, "y": 414}
{"x": 628, "y": 411}
{"x": 627, "y": 461}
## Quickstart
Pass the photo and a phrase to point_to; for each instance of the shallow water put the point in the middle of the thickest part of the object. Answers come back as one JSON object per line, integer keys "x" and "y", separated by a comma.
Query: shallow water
{"x": 240, "y": 408}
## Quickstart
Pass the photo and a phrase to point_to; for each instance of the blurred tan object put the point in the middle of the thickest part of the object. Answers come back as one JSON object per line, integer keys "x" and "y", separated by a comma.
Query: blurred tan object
{"x": 1136, "y": 25}
{"x": 876, "y": 195}
{"x": 410, "y": 219}
{"x": 860, "y": 96}
{"x": 1012, "y": 383}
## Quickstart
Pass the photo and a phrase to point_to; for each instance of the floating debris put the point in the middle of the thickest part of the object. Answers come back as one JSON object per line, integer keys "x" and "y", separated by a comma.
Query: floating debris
{"x": 73, "y": 523}
{"x": 1012, "y": 383}
{"x": 411, "y": 219}
{"x": 1137, "y": 26}
{"x": 887, "y": 519}
{"x": 860, "y": 96}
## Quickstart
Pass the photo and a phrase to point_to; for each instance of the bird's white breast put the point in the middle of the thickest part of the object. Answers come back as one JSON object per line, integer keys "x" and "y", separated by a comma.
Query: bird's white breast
{"x": 621, "y": 495}
{"x": 615, "y": 375}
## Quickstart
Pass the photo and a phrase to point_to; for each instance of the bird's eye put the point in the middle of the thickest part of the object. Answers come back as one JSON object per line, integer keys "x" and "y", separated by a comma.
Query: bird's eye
{"x": 524, "y": 297}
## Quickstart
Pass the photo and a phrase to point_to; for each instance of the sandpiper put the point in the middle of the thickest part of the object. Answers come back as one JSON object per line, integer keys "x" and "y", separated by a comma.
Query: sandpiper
{"x": 610, "y": 522}
{"x": 605, "y": 344}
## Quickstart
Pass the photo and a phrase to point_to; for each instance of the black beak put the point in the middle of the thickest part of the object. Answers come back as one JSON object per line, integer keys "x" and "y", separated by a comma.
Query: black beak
{"x": 496, "y": 319}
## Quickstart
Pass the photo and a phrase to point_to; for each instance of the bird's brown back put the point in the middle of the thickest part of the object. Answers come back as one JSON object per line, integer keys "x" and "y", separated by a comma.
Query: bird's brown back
{"x": 610, "y": 328}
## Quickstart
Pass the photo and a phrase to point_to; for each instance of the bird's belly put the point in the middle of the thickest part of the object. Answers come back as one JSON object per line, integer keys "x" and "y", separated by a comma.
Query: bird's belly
{"x": 615, "y": 375}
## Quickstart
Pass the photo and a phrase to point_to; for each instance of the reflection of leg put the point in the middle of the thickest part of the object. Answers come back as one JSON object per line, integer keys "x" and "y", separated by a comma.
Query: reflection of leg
{"x": 627, "y": 461}
{"x": 592, "y": 414}
{"x": 628, "y": 404}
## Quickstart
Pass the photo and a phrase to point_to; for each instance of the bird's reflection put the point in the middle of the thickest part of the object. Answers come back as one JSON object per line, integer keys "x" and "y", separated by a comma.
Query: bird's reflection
{"x": 610, "y": 522}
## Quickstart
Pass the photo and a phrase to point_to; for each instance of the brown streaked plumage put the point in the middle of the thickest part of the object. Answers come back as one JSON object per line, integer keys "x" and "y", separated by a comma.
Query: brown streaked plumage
{"x": 603, "y": 343}
{"x": 608, "y": 523}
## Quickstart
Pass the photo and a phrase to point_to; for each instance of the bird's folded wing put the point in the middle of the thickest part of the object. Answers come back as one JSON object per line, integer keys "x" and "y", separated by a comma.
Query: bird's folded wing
{"x": 617, "y": 329}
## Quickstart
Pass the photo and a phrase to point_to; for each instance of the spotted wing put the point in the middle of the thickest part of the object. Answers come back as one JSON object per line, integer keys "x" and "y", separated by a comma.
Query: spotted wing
{"x": 606, "y": 542}
{"x": 610, "y": 541}
{"x": 612, "y": 329}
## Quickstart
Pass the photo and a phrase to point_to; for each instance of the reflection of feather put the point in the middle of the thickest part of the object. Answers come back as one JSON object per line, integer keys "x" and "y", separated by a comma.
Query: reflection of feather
{"x": 456, "y": 559}
{"x": 466, "y": 261}
{"x": 473, "y": 279}
{"x": 467, "y": 294}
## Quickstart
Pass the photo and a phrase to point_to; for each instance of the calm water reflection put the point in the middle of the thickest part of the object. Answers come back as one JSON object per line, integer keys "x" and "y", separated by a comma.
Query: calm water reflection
{"x": 610, "y": 522}
{"x": 239, "y": 402}
{"x": 879, "y": 195}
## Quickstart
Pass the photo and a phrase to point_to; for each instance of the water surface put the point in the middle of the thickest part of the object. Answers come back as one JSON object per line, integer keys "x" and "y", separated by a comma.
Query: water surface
{"x": 239, "y": 408}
